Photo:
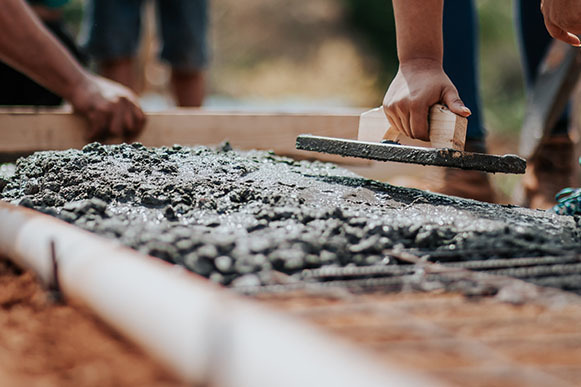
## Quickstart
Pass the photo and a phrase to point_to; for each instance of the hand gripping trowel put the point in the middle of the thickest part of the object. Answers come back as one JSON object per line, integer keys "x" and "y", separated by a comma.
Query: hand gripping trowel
{"x": 376, "y": 140}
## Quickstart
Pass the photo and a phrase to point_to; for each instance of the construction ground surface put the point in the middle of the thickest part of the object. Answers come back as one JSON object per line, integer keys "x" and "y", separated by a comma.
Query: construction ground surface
{"x": 470, "y": 293}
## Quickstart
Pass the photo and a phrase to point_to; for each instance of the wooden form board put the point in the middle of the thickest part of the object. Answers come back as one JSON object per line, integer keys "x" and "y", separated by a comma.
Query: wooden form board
{"x": 447, "y": 130}
{"x": 28, "y": 131}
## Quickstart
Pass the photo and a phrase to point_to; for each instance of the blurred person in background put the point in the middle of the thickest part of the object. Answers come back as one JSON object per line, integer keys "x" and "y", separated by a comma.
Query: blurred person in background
{"x": 112, "y": 32}
{"x": 437, "y": 49}
{"x": 28, "y": 46}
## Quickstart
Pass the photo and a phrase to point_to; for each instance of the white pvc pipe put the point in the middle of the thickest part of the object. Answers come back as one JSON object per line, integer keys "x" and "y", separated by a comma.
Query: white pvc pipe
{"x": 201, "y": 332}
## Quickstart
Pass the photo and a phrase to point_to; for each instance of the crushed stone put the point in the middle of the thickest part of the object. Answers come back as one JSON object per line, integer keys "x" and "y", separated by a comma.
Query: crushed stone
{"x": 243, "y": 218}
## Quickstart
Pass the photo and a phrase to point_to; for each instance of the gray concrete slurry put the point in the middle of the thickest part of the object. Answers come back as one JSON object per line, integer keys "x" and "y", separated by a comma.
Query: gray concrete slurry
{"x": 250, "y": 218}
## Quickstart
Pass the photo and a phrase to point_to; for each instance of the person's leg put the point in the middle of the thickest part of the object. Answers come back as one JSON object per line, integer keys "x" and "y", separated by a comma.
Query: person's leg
{"x": 120, "y": 70}
{"x": 112, "y": 28}
{"x": 461, "y": 59}
{"x": 552, "y": 168}
{"x": 534, "y": 42}
{"x": 184, "y": 26}
{"x": 188, "y": 87}
{"x": 461, "y": 64}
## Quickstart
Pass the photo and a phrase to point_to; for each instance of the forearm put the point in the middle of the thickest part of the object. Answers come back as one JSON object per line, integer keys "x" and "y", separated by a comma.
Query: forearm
{"x": 27, "y": 46}
{"x": 419, "y": 29}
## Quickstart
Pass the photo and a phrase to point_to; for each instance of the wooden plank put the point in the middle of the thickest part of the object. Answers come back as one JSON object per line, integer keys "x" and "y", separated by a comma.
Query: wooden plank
{"x": 28, "y": 131}
{"x": 374, "y": 127}
{"x": 447, "y": 130}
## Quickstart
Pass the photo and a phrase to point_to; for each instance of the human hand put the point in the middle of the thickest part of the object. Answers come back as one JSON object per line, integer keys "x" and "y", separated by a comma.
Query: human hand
{"x": 111, "y": 109}
{"x": 563, "y": 19}
{"x": 418, "y": 85}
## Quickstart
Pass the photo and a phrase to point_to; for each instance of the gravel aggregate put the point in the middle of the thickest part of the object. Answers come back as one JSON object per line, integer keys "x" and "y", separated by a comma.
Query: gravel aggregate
{"x": 251, "y": 218}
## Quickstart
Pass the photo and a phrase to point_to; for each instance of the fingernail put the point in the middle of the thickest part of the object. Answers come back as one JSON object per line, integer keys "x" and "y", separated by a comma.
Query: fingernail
{"x": 466, "y": 110}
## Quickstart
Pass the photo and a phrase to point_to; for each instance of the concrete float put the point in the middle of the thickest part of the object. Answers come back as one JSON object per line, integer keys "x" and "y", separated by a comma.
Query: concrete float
{"x": 201, "y": 332}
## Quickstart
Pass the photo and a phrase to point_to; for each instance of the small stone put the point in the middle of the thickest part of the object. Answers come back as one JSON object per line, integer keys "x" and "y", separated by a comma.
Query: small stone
{"x": 154, "y": 200}
{"x": 258, "y": 245}
{"x": 26, "y": 202}
{"x": 244, "y": 265}
{"x": 223, "y": 263}
{"x": 217, "y": 278}
{"x": 373, "y": 260}
{"x": 295, "y": 261}
{"x": 68, "y": 216}
{"x": 185, "y": 244}
{"x": 225, "y": 147}
{"x": 312, "y": 260}
{"x": 32, "y": 188}
{"x": 170, "y": 213}
{"x": 98, "y": 205}
{"x": 246, "y": 281}
{"x": 327, "y": 257}
{"x": 161, "y": 250}
{"x": 199, "y": 265}
{"x": 365, "y": 245}
{"x": 3, "y": 183}
{"x": 208, "y": 251}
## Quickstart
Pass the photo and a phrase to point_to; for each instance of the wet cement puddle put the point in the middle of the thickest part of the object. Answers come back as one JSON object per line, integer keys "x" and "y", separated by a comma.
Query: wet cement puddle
{"x": 252, "y": 218}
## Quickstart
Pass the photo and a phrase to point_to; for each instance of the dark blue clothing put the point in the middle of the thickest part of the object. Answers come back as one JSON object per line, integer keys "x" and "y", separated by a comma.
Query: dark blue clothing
{"x": 461, "y": 58}
{"x": 461, "y": 53}
{"x": 534, "y": 42}
{"x": 19, "y": 89}
{"x": 112, "y": 30}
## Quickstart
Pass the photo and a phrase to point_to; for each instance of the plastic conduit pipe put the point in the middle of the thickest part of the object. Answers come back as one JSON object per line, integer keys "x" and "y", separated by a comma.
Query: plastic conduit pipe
{"x": 201, "y": 332}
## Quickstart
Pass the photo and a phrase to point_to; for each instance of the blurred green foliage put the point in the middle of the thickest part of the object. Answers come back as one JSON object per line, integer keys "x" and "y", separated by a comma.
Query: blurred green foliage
{"x": 73, "y": 14}
{"x": 500, "y": 72}
{"x": 373, "y": 20}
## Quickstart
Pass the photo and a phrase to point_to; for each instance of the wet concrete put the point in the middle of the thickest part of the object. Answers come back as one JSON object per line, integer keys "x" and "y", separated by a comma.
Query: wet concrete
{"x": 250, "y": 218}
{"x": 413, "y": 154}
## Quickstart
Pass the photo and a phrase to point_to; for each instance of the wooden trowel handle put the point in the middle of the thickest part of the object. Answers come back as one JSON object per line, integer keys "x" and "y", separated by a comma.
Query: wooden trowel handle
{"x": 447, "y": 129}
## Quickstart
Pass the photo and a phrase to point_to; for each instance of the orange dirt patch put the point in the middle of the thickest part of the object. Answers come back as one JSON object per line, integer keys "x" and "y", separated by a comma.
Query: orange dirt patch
{"x": 459, "y": 341}
{"x": 43, "y": 343}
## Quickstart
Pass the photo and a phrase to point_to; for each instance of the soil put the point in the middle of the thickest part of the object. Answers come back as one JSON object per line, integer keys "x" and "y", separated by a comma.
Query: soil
{"x": 254, "y": 218}
{"x": 45, "y": 343}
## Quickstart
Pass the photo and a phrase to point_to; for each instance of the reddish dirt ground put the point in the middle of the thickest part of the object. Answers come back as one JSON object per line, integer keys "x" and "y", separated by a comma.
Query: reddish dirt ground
{"x": 43, "y": 343}
{"x": 456, "y": 340}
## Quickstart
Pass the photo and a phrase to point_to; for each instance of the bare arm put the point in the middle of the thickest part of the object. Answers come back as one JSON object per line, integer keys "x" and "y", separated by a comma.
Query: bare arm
{"x": 27, "y": 46}
{"x": 419, "y": 29}
{"x": 420, "y": 81}
{"x": 563, "y": 19}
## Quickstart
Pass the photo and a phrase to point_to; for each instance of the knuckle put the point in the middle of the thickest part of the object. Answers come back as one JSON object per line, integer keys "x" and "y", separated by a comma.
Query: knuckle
{"x": 417, "y": 104}
{"x": 398, "y": 107}
{"x": 388, "y": 107}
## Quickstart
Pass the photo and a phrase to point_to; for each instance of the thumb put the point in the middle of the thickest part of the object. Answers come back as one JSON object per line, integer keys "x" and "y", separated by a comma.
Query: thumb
{"x": 562, "y": 35}
{"x": 452, "y": 100}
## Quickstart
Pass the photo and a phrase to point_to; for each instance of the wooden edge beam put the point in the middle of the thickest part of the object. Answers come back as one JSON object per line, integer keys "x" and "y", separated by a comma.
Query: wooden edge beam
{"x": 29, "y": 131}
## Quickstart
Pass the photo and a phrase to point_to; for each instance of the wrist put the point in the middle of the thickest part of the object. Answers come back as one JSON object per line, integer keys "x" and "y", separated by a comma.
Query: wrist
{"x": 421, "y": 63}
{"x": 80, "y": 92}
